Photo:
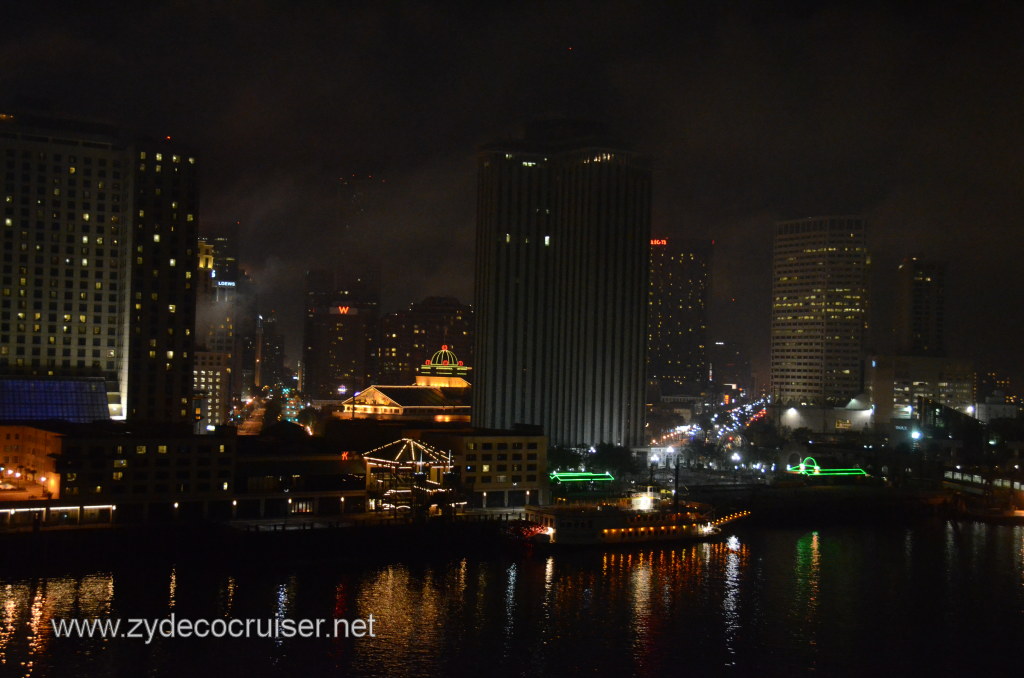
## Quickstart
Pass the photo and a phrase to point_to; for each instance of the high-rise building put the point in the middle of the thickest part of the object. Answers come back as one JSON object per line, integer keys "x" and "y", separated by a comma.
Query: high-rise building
{"x": 819, "y": 310}
{"x": 269, "y": 352}
{"x": 563, "y": 239}
{"x": 409, "y": 337}
{"x": 98, "y": 246}
{"x": 677, "y": 315}
{"x": 920, "y": 311}
{"x": 226, "y": 313}
{"x": 67, "y": 205}
{"x": 162, "y": 309}
{"x": 339, "y": 342}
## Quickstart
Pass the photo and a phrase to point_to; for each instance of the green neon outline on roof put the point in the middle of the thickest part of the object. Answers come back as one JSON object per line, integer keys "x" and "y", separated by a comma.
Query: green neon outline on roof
{"x": 576, "y": 477}
{"x": 809, "y": 467}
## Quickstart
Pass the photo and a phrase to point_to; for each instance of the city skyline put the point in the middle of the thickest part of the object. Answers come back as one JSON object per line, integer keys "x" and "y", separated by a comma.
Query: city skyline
{"x": 903, "y": 117}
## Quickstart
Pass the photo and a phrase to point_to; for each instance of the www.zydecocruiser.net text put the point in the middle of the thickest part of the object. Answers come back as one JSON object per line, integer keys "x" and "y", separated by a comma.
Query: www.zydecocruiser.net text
{"x": 173, "y": 627}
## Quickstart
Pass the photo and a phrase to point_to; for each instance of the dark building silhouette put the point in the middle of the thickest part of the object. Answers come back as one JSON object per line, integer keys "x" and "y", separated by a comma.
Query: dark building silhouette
{"x": 563, "y": 238}
{"x": 270, "y": 370}
{"x": 339, "y": 346}
{"x": 677, "y": 316}
{"x": 920, "y": 311}
{"x": 162, "y": 310}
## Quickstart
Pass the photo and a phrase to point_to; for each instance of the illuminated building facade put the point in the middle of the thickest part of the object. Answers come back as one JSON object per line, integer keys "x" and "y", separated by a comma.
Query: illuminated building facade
{"x": 212, "y": 379}
{"x": 898, "y": 383}
{"x": 563, "y": 239}
{"x": 339, "y": 344}
{"x": 677, "y": 313}
{"x": 819, "y": 310}
{"x": 67, "y": 202}
{"x": 410, "y": 336}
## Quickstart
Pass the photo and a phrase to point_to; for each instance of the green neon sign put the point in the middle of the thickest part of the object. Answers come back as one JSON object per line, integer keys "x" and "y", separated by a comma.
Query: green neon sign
{"x": 562, "y": 477}
{"x": 809, "y": 467}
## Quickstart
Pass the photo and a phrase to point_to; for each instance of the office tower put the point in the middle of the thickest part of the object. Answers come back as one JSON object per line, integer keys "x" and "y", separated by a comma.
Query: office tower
{"x": 162, "y": 309}
{"x": 269, "y": 352}
{"x": 677, "y": 314}
{"x": 226, "y": 313}
{"x": 563, "y": 238}
{"x": 920, "y": 311}
{"x": 339, "y": 343}
{"x": 410, "y": 337}
{"x": 819, "y": 310}
{"x": 98, "y": 260}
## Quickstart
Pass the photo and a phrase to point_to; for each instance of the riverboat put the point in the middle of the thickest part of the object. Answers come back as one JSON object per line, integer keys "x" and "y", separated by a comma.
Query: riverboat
{"x": 641, "y": 520}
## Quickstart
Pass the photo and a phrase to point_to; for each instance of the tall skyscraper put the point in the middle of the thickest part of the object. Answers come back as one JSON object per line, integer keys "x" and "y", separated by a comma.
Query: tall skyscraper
{"x": 269, "y": 352}
{"x": 162, "y": 311}
{"x": 819, "y": 310}
{"x": 339, "y": 345}
{"x": 563, "y": 239}
{"x": 67, "y": 206}
{"x": 98, "y": 251}
{"x": 677, "y": 316}
{"x": 411, "y": 336}
{"x": 920, "y": 312}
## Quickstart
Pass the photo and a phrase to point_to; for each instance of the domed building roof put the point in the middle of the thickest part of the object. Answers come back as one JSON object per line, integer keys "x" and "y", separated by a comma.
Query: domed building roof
{"x": 442, "y": 369}
{"x": 444, "y": 357}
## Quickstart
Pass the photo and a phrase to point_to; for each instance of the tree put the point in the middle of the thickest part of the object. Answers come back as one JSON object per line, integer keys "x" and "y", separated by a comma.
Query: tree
{"x": 308, "y": 416}
{"x": 563, "y": 459}
{"x": 614, "y": 459}
{"x": 801, "y": 435}
{"x": 764, "y": 434}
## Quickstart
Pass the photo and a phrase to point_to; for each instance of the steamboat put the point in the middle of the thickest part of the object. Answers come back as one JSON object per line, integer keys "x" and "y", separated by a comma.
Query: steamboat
{"x": 640, "y": 518}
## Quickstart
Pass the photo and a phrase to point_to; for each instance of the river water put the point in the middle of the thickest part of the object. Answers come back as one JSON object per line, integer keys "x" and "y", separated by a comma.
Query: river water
{"x": 935, "y": 597}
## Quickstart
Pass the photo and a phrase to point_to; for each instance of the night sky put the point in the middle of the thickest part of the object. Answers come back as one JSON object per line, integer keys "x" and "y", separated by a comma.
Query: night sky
{"x": 749, "y": 115}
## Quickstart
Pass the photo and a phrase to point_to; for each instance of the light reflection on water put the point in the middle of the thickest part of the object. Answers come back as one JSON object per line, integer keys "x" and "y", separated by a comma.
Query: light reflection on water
{"x": 780, "y": 602}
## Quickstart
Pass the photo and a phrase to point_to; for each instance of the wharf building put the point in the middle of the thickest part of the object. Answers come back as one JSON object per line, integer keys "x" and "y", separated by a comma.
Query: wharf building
{"x": 496, "y": 468}
{"x": 116, "y": 473}
{"x": 96, "y": 263}
{"x": 440, "y": 394}
{"x": 561, "y": 280}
